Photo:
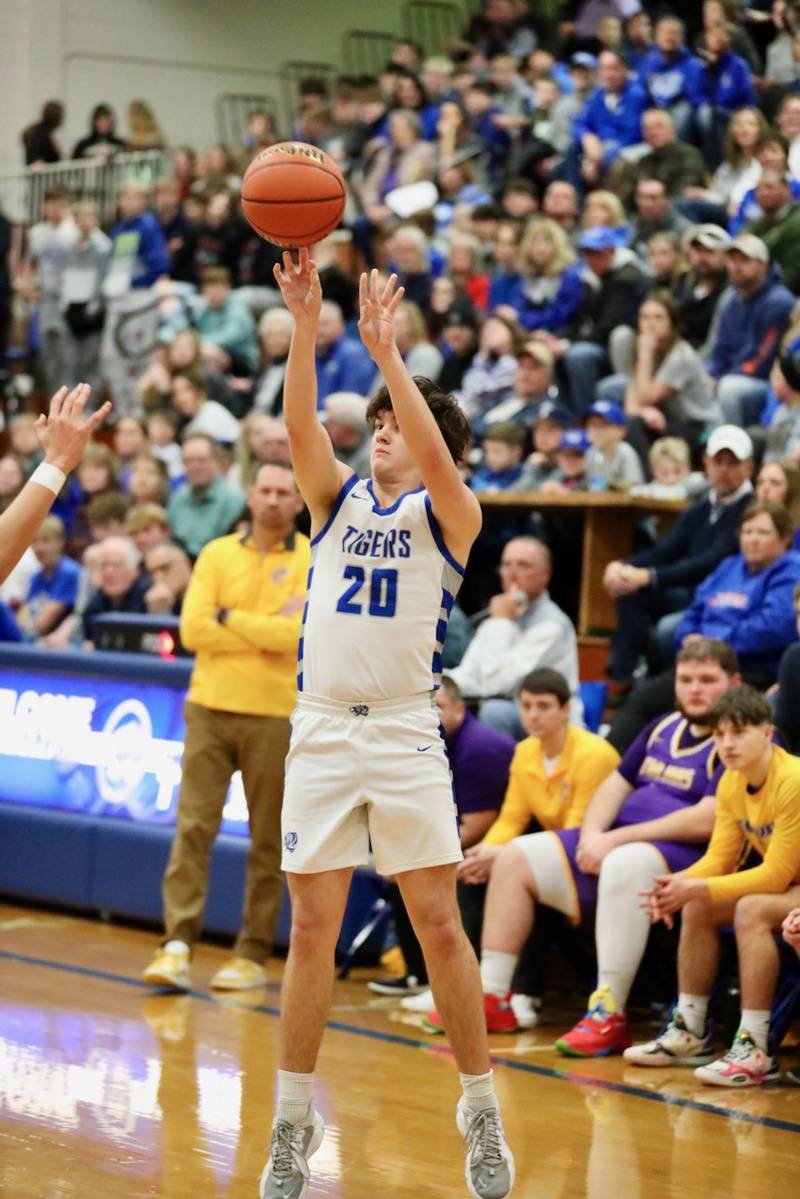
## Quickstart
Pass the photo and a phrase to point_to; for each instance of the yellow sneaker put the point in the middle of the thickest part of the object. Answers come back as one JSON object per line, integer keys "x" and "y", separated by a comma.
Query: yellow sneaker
{"x": 239, "y": 974}
{"x": 170, "y": 967}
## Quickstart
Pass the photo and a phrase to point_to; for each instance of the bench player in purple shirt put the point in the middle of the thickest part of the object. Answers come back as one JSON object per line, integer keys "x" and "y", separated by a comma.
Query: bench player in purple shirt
{"x": 652, "y": 815}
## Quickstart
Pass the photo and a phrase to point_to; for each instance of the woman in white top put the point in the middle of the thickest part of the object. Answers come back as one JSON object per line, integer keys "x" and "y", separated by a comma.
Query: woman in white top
{"x": 739, "y": 170}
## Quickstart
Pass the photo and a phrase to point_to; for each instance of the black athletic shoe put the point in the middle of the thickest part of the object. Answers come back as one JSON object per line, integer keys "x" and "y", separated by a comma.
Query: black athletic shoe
{"x": 409, "y": 984}
{"x": 793, "y": 1076}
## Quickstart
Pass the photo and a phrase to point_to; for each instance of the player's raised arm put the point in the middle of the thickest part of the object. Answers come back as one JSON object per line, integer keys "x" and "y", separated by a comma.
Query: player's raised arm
{"x": 63, "y": 435}
{"x": 454, "y": 505}
{"x": 319, "y": 475}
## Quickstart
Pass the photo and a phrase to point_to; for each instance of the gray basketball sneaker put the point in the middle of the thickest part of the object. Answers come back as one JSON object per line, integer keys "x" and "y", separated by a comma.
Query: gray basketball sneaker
{"x": 490, "y": 1163}
{"x": 285, "y": 1175}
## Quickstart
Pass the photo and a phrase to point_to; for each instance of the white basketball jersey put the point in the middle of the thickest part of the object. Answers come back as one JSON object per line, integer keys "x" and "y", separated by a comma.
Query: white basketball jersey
{"x": 380, "y": 590}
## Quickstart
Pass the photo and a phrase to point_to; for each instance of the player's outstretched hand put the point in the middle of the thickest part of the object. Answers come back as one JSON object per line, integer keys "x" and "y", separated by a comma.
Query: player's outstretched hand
{"x": 378, "y": 305}
{"x": 63, "y": 433}
{"x": 300, "y": 286}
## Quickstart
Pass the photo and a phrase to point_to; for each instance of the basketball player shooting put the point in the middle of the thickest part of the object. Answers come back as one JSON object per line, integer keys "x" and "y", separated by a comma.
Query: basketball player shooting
{"x": 367, "y": 762}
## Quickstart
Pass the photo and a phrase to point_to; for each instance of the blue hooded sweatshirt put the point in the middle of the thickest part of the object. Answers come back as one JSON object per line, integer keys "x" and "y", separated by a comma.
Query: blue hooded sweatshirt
{"x": 728, "y": 83}
{"x": 750, "y": 329}
{"x": 557, "y": 313}
{"x": 616, "y": 120}
{"x": 752, "y": 611}
{"x": 667, "y": 81}
{"x": 140, "y": 240}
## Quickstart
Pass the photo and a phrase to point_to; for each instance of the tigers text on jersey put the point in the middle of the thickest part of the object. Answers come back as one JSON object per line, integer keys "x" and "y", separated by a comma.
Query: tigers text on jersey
{"x": 380, "y": 590}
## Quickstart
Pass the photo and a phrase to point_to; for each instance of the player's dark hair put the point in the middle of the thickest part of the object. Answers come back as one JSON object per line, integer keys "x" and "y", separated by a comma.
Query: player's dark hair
{"x": 453, "y": 424}
{"x": 741, "y": 706}
{"x": 777, "y": 514}
{"x": 709, "y": 649}
{"x": 451, "y": 687}
{"x": 545, "y": 681}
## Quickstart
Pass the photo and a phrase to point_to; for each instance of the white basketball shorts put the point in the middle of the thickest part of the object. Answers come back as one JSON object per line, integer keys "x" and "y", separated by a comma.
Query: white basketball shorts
{"x": 367, "y": 773}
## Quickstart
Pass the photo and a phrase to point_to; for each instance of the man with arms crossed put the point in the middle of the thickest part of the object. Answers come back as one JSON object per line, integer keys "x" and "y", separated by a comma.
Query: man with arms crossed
{"x": 367, "y": 762}
{"x": 749, "y": 877}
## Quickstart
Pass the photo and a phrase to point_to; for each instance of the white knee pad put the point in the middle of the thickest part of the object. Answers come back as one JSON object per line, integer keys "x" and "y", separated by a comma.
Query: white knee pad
{"x": 629, "y": 869}
{"x": 545, "y": 855}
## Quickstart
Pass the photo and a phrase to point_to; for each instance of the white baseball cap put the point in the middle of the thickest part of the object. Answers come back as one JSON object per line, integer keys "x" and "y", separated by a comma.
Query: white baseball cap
{"x": 730, "y": 437}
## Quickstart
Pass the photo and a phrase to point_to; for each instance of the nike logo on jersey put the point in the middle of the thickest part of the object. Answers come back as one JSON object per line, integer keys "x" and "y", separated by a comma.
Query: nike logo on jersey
{"x": 422, "y": 749}
{"x": 354, "y": 495}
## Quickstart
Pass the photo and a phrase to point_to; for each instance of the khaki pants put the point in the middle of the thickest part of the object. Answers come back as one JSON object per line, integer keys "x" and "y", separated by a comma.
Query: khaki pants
{"x": 217, "y": 744}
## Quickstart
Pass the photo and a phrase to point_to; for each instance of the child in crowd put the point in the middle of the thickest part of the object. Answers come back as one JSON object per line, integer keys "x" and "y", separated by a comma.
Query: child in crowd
{"x": 53, "y": 590}
{"x": 106, "y": 516}
{"x": 548, "y": 428}
{"x": 571, "y": 459}
{"x": 503, "y": 468}
{"x": 147, "y": 525}
{"x": 670, "y": 465}
{"x": 24, "y": 442}
{"x": 162, "y": 430}
{"x": 611, "y": 464}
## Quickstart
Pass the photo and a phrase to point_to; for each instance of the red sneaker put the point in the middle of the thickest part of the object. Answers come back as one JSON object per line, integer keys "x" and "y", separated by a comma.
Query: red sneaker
{"x": 499, "y": 1014}
{"x": 497, "y": 1009}
{"x": 603, "y": 1031}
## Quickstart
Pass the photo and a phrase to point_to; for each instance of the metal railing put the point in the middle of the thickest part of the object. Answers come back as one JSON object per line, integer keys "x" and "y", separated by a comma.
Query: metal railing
{"x": 432, "y": 23}
{"x": 366, "y": 51}
{"x": 22, "y": 193}
{"x": 232, "y": 111}
{"x": 291, "y": 75}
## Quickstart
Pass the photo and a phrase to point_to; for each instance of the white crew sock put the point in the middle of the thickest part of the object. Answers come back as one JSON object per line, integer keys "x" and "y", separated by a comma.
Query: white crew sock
{"x": 479, "y": 1091}
{"x": 497, "y": 971}
{"x": 294, "y": 1096}
{"x": 621, "y": 927}
{"x": 693, "y": 1008}
{"x": 756, "y": 1022}
{"x": 175, "y": 946}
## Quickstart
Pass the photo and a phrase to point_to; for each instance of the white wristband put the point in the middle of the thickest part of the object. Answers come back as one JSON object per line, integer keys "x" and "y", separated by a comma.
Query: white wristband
{"x": 49, "y": 476}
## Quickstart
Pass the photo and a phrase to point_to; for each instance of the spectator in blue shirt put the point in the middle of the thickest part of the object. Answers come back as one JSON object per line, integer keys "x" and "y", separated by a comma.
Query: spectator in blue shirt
{"x": 139, "y": 258}
{"x": 503, "y": 468}
{"x": 505, "y": 279}
{"x": 672, "y": 76}
{"x": 748, "y": 600}
{"x": 750, "y": 325}
{"x": 483, "y": 114}
{"x": 53, "y": 590}
{"x": 727, "y": 84}
{"x": 610, "y": 122}
{"x": 551, "y": 286}
{"x": 140, "y": 255}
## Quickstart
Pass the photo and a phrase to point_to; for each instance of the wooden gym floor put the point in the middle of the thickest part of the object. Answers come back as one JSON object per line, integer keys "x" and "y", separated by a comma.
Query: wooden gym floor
{"x": 110, "y": 1092}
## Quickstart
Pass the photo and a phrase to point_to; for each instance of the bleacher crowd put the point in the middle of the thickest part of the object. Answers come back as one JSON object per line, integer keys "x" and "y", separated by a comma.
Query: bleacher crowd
{"x": 596, "y": 219}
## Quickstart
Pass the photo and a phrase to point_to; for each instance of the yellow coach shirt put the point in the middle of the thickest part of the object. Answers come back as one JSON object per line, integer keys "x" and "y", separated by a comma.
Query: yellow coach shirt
{"x": 249, "y": 664}
{"x": 767, "y": 823}
{"x": 557, "y": 801}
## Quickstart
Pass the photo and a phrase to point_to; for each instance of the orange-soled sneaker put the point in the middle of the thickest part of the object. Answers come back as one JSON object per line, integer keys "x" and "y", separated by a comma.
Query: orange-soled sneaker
{"x": 602, "y": 1032}
{"x": 497, "y": 1009}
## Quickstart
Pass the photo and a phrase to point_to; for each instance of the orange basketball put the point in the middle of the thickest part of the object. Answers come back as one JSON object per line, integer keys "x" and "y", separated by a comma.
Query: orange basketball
{"x": 293, "y": 194}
